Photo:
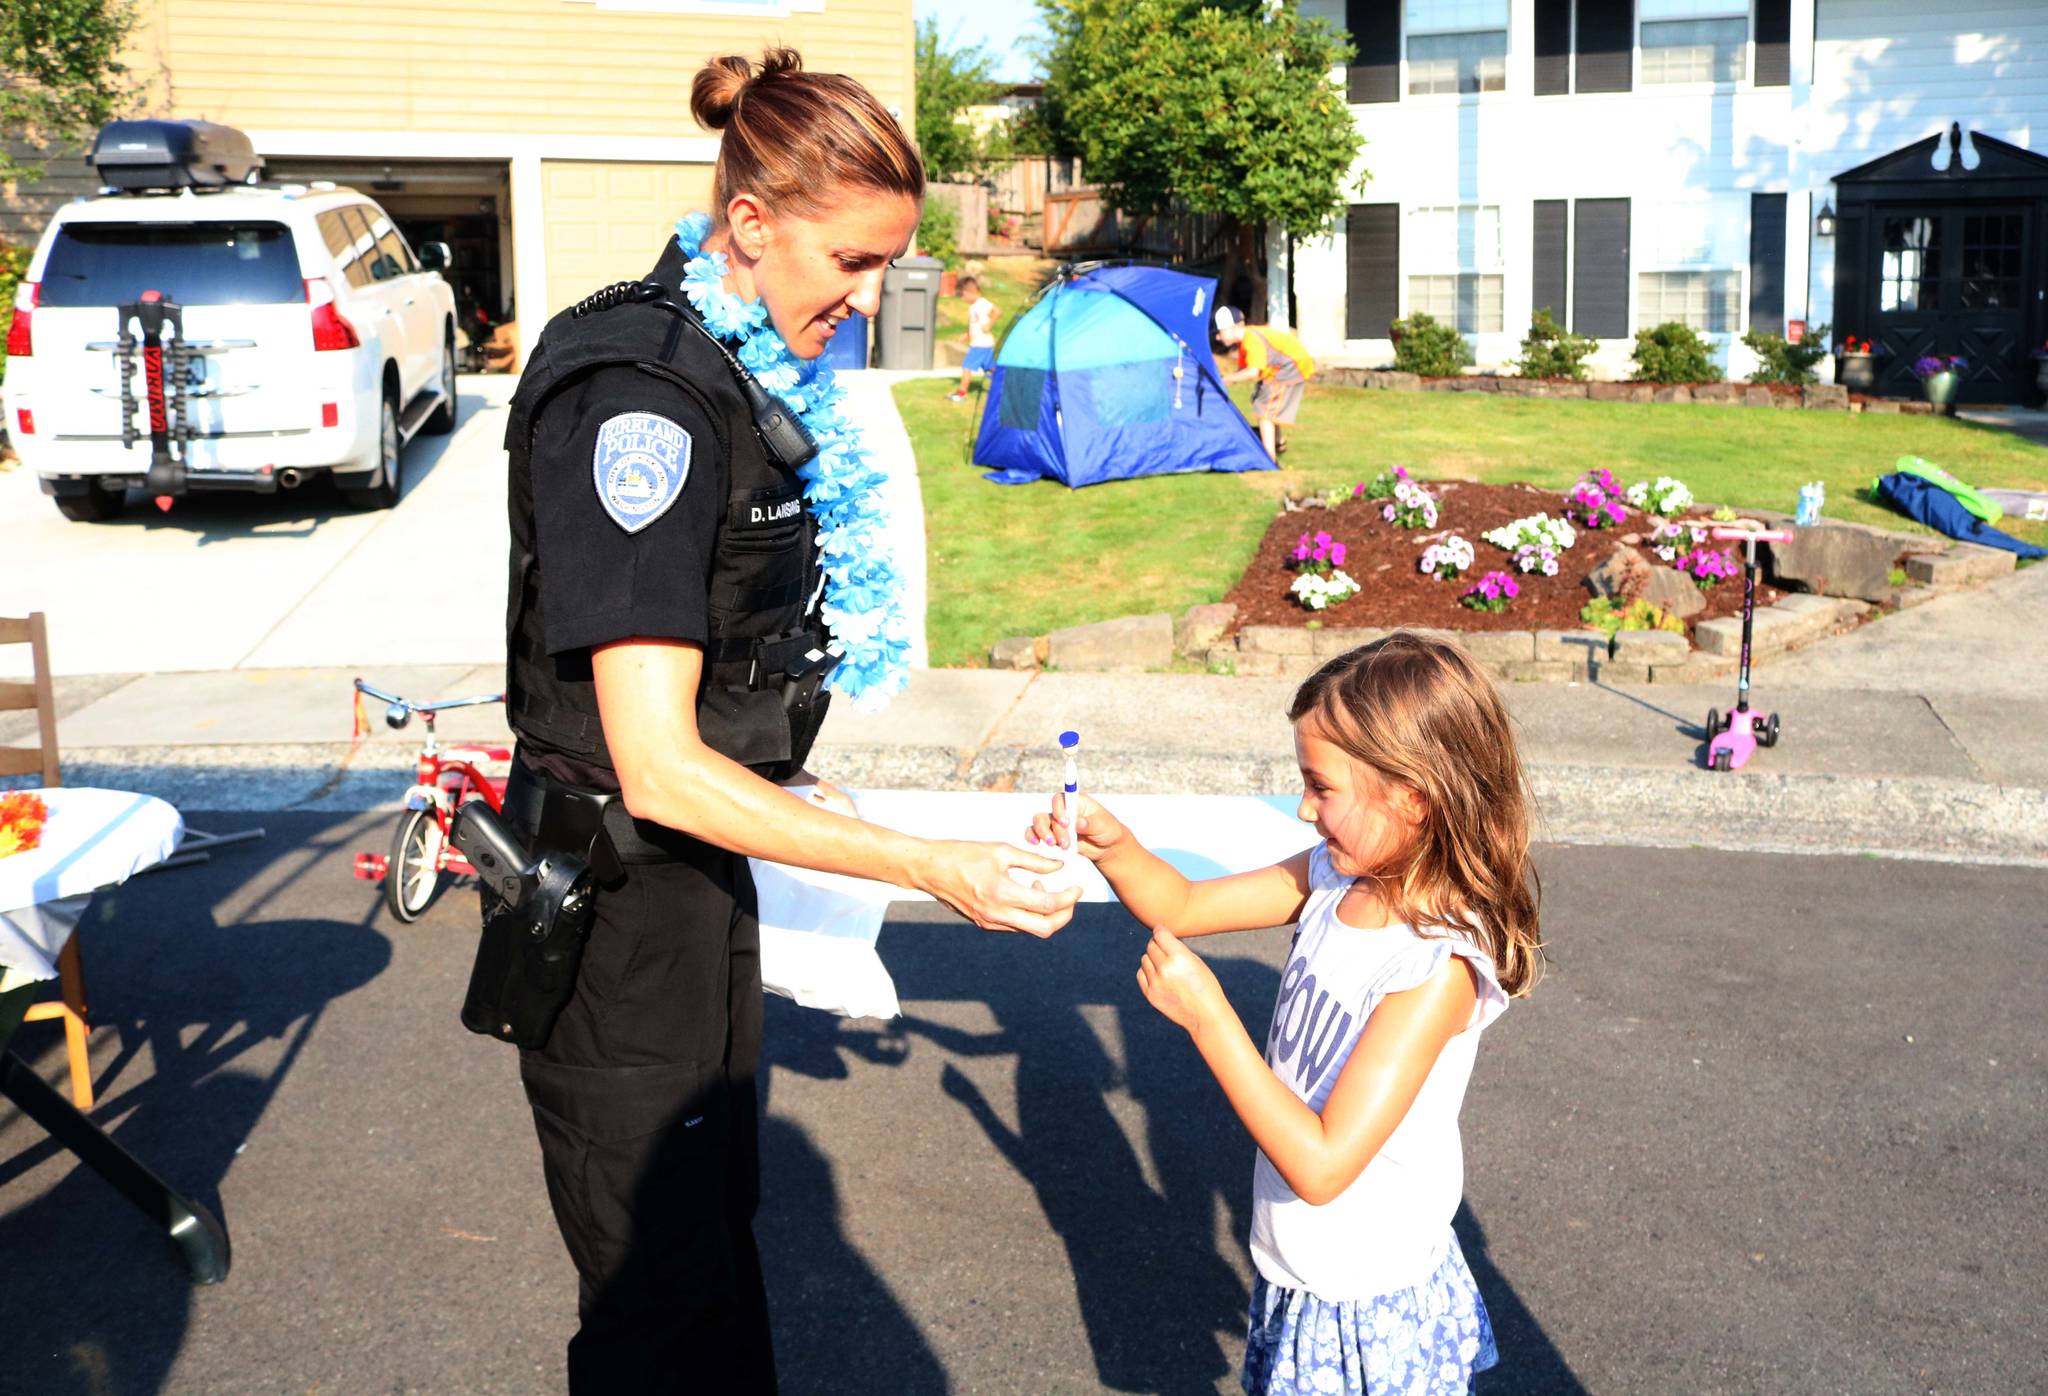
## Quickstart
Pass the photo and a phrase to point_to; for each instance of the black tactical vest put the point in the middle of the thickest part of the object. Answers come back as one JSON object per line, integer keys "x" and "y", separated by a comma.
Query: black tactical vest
{"x": 764, "y": 581}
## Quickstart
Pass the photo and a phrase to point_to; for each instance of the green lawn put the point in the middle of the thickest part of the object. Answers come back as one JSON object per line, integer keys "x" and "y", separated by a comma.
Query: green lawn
{"x": 1027, "y": 559}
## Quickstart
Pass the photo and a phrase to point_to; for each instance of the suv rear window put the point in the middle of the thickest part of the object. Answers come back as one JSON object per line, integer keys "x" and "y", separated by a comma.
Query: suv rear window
{"x": 190, "y": 263}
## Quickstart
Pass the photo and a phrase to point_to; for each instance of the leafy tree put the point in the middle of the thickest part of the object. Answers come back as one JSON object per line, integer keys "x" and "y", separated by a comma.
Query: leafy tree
{"x": 1226, "y": 105}
{"x": 61, "y": 74}
{"x": 948, "y": 82}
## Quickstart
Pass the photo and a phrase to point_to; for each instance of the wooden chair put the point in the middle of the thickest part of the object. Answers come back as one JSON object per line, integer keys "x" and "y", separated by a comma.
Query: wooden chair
{"x": 42, "y": 760}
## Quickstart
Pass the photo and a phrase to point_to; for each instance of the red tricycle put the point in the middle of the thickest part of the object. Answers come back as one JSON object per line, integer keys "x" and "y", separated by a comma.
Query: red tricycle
{"x": 444, "y": 779}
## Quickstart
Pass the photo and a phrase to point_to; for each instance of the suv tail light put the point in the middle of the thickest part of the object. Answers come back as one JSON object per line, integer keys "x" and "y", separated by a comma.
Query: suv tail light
{"x": 20, "y": 342}
{"x": 331, "y": 329}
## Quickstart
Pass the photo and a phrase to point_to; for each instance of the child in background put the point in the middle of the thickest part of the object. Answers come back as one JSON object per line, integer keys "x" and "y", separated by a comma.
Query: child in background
{"x": 1278, "y": 363}
{"x": 981, "y": 338}
{"x": 1415, "y": 922}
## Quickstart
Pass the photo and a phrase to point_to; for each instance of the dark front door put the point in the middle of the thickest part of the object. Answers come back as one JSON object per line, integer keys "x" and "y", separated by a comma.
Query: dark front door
{"x": 1954, "y": 279}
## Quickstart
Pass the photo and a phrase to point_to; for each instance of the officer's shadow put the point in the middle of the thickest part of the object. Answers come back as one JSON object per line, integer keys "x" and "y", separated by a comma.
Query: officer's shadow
{"x": 1124, "y": 1153}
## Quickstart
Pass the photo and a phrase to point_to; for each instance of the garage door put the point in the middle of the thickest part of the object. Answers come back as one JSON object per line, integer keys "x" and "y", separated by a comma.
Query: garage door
{"x": 606, "y": 220}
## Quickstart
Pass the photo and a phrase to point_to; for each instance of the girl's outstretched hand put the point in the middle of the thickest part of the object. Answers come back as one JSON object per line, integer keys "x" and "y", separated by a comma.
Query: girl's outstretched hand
{"x": 1179, "y": 983}
{"x": 1100, "y": 831}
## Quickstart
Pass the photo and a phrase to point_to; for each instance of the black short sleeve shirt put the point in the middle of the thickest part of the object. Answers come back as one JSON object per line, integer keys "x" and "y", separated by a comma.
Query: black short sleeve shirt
{"x": 629, "y": 486}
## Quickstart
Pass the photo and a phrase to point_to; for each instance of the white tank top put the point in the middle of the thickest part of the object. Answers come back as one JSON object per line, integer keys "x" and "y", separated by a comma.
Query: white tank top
{"x": 1389, "y": 1229}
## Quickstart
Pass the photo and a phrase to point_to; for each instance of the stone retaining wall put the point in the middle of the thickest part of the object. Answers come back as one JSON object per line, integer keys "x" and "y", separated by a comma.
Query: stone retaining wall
{"x": 1825, "y": 397}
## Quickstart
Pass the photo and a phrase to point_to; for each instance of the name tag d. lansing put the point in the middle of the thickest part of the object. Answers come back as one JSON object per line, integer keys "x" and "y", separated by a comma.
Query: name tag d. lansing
{"x": 762, "y": 510}
{"x": 639, "y": 467}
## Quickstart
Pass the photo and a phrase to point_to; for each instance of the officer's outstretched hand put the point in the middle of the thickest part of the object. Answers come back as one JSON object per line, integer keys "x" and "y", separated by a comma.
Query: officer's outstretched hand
{"x": 974, "y": 879}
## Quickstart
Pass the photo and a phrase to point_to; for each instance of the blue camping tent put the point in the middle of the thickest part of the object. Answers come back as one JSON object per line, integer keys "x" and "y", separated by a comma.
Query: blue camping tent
{"x": 1107, "y": 377}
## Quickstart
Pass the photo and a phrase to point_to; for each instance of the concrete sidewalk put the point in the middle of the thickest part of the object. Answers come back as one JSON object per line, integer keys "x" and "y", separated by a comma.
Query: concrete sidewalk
{"x": 1921, "y": 735}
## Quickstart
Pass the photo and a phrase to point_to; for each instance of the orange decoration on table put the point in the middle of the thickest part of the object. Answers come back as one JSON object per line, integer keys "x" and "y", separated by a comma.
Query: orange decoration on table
{"x": 22, "y": 813}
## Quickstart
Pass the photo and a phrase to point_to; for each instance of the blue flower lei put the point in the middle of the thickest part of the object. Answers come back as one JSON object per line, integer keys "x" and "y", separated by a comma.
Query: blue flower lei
{"x": 863, "y": 603}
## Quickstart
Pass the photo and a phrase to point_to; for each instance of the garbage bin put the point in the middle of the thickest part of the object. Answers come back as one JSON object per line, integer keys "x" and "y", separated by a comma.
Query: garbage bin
{"x": 909, "y": 324}
{"x": 848, "y": 347}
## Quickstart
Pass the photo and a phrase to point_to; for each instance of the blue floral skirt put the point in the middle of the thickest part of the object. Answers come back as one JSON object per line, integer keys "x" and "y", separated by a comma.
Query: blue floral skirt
{"x": 1424, "y": 1341}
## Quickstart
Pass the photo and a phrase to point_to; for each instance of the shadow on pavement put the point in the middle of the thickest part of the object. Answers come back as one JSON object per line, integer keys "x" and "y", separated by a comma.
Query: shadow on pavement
{"x": 1129, "y": 1150}
{"x": 211, "y": 1008}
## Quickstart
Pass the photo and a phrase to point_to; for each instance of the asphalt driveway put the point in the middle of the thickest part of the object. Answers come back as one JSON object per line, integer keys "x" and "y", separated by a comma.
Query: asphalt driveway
{"x": 1772, "y": 1124}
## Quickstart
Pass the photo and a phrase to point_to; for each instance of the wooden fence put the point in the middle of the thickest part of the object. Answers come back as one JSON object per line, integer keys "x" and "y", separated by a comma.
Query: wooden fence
{"x": 1080, "y": 224}
{"x": 970, "y": 201}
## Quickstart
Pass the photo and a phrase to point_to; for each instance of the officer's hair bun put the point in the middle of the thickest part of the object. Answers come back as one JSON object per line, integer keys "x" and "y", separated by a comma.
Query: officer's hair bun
{"x": 798, "y": 140}
{"x": 716, "y": 91}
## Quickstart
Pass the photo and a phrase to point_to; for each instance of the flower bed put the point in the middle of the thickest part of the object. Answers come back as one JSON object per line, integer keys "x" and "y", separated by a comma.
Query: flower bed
{"x": 1385, "y": 561}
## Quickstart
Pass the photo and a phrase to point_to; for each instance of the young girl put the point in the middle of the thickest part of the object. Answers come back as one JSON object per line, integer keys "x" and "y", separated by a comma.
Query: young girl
{"x": 1415, "y": 922}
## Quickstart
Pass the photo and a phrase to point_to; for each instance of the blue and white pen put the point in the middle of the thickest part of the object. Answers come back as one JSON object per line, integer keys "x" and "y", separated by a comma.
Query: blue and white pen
{"x": 1069, "y": 742}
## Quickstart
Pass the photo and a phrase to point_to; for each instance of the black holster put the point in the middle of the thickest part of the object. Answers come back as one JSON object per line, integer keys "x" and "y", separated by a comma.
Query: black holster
{"x": 538, "y": 905}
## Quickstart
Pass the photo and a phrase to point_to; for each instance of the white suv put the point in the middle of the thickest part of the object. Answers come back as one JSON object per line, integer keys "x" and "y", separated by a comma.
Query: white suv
{"x": 307, "y": 337}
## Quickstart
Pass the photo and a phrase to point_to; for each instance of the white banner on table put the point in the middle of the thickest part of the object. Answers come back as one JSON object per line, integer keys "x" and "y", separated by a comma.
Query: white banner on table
{"x": 819, "y": 931}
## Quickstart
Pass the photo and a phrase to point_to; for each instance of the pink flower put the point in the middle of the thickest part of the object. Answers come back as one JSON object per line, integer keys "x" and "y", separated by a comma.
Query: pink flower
{"x": 1337, "y": 554}
{"x": 1322, "y": 540}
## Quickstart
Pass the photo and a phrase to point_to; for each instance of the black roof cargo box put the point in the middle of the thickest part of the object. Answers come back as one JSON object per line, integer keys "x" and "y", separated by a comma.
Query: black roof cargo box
{"x": 134, "y": 155}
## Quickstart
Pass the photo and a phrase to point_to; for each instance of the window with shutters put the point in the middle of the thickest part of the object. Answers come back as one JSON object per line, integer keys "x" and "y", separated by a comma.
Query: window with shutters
{"x": 1454, "y": 266}
{"x": 1694, "y": 40}
{"x": 1457, "y": 46}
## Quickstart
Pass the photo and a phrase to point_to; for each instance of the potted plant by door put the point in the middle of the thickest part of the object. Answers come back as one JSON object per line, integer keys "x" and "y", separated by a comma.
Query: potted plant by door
{"x": 1937, "y": 375}
{"x": 1859, "y": 365}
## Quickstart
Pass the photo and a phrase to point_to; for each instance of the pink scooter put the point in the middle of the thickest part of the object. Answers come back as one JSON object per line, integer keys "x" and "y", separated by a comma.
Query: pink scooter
{"x": 1732, "y": 740}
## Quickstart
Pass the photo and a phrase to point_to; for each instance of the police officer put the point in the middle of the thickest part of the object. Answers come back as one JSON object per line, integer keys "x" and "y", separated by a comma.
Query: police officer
{"x": 664, "y": 644}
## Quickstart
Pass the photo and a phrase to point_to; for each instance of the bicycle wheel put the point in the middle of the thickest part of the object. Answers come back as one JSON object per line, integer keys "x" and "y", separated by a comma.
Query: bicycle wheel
{"x": 413, "y": 875}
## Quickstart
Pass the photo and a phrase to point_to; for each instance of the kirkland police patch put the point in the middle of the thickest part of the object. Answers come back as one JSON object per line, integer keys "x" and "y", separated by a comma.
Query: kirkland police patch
{"x": 640, "y": 465}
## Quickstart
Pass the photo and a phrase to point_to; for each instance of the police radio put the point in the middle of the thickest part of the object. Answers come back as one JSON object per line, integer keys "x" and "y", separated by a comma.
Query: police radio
{"x": 788, "y": 440}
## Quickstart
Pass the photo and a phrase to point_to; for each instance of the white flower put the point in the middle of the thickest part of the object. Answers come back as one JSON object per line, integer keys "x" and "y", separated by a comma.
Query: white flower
{"x": 1537, "y": 530}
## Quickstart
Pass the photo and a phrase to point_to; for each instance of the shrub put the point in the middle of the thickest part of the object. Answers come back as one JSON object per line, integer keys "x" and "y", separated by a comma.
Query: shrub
{"x": 13, "y": 266}
{"x": 1602, "y": 613}
{"x": 938, "y": 231}
{"x": 1425, "y": 345}
{"x": 1550, "y": 350}
{"x": 1784, "y": 362}
{"x": 1674, "y": 353}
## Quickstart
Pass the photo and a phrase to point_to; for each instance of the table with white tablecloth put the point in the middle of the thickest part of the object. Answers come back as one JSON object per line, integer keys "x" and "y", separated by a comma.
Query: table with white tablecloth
{"x": 90, "y": 840}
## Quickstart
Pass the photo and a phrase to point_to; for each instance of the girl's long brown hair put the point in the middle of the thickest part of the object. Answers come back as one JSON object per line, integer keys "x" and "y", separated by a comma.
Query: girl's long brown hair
{"x": 1420, "y": 712}
{"x": 796, "y": 139}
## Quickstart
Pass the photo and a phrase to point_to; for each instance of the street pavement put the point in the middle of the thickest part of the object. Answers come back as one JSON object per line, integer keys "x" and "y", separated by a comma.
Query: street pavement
{"x": 1888, "y": 748}
{"x": 1770, "y": 1124}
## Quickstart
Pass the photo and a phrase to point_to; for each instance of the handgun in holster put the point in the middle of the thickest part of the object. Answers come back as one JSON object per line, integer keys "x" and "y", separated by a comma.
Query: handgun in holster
{"x": 537, "y": 912}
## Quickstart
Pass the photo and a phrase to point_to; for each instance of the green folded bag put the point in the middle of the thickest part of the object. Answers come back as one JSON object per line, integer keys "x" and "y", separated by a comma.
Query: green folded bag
{"x": 1989, "y": 510}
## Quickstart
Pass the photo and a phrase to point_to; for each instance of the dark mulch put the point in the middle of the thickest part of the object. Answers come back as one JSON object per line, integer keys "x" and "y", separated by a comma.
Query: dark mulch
{"x": 1382, "y": 560}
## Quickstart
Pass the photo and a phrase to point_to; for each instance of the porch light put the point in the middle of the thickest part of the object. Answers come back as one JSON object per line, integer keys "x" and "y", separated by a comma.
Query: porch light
{"x": 1824, "y": 221}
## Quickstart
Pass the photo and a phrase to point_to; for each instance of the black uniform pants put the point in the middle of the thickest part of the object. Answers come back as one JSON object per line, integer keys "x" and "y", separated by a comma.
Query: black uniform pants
{"x": 644, "y": 1100}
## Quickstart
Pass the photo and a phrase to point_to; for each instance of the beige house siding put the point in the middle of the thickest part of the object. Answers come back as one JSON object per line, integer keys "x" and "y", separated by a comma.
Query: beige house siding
{"x": 607, "y": 220}
{"x": 555, "y": 67}
{"x": 26, "y": 209}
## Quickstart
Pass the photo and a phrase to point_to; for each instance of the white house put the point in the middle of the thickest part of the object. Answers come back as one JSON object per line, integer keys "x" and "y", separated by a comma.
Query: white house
{"x": 1880, "y": 166}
